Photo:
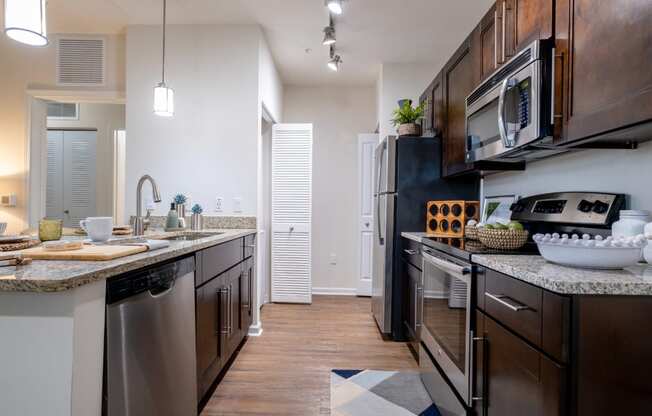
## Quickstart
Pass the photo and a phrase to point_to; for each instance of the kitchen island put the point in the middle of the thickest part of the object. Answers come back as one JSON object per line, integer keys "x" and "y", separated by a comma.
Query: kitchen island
{"x": 52, "y": 321}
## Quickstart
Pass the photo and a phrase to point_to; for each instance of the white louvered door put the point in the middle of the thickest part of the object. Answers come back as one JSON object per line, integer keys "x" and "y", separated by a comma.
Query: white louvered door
{"x": 291, "y": 213}
{"x": 54, "y": 187}
{"x": 71, "y": 178}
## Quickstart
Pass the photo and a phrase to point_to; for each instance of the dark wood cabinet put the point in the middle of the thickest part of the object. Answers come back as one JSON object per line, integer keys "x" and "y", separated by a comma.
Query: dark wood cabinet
{"x": 460, "y": 77}
{"x": 247, "y": 295}
{"x": 605, "y": 50}
{"x": 209, "y": 326}
{"x": 489, "y": 41}
{"x": 523, "y": 21}
{"x": 516, "y": 378}
{"x": 223, "y": 304}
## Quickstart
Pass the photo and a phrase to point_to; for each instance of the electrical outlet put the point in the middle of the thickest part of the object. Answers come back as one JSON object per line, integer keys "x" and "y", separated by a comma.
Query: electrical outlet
{"x": 333, "y": 259}
{"x": 219, "y": 204}
{"x": 237, "y": 205}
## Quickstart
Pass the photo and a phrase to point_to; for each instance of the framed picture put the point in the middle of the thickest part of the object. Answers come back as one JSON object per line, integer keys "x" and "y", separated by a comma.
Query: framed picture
{"x": 496, "y": 209}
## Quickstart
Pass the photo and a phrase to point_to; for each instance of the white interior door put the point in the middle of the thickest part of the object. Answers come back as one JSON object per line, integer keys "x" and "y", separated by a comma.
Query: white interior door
{"x": 366, "y": 145}
{"x": 71, "y": 177}
{"x": 291, "y": 213}
{"x": 54, "y": 188}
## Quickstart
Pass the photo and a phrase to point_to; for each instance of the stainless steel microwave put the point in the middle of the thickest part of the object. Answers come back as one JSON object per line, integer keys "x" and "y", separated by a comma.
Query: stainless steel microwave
{"x": 510, "y": 116}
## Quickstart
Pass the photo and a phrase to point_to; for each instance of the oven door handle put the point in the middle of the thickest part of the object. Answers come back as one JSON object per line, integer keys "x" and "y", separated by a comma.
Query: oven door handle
{"x": 509, "y": 140}
{"x": 447, "y": 266}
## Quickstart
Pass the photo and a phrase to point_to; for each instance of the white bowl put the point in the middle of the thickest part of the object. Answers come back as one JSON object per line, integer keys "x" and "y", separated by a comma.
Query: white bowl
{"x": 590, "y": 254}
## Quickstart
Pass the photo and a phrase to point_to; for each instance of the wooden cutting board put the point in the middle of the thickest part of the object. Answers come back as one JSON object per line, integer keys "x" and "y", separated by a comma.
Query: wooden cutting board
{"x": 87, "y": 253}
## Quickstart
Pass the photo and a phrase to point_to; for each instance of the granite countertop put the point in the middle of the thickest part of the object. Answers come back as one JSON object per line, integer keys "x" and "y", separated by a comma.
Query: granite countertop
{"x": 414, "y": 236}
{"x": 58, "y": 276}
{"x": 633, "y": 281}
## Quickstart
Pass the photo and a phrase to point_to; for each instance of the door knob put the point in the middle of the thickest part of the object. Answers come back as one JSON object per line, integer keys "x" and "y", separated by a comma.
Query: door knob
{"x": 291, "y": 228}
{"x": 366, "y": 224}
{"x": 66, "y": 211}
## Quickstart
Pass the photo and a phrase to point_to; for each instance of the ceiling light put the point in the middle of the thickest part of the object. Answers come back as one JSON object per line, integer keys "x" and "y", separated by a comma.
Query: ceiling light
{"x": 25, "y": 21}
{"x": 329, "y": 36}
{"x": 334, "y": 63}
{"x": 163, "y": 95}
{"x": 335, "y": 6}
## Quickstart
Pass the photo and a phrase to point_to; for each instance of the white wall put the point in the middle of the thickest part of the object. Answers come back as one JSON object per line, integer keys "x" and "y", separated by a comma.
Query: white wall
{"x": 619, "y": 171}
{"x": 338, "y": 116}
{"x": 22, "y": 68}
{"x": 106, "y": 118}
{"x": 397, "y": 81}
{"x": 271, "y": 86}
{"x": 209, "y": 148}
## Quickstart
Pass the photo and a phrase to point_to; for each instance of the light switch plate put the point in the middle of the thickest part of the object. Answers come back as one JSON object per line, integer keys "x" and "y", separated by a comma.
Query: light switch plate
{"x": 237, "y": 204}
{"x": 219, "y": 204}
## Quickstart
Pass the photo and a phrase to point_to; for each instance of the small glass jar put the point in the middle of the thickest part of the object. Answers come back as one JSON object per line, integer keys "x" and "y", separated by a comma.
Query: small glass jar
{"x": 631, "y": 223}
{"x": 50, "y": 230}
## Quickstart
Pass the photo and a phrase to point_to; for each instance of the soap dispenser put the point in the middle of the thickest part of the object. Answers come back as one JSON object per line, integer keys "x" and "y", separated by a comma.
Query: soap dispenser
{"x": 172, "y": 221}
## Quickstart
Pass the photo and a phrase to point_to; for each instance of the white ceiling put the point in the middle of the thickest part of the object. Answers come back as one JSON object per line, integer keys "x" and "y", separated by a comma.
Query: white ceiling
{"x": 369, "y": 32}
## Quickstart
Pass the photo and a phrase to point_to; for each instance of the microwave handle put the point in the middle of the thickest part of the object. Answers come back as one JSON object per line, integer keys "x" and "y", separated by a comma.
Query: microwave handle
{"x": 508, "y": 141}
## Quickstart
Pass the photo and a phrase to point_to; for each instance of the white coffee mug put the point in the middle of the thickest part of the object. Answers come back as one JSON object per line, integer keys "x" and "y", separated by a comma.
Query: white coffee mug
{"x": 98, "y": 228}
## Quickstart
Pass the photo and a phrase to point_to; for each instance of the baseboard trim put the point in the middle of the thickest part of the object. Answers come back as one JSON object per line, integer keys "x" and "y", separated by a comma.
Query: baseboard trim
{"x": 255, "y": 330}
{"x": 338, "y": 291}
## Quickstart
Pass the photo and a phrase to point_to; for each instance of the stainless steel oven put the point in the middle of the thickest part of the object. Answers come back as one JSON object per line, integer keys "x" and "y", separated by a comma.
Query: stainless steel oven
{"x": 446, "y": 330}
{"x": 510, "y": 116}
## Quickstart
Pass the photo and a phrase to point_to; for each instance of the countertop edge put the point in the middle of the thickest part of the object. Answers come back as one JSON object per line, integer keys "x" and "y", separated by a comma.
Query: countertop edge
{"x": 608, "y": 286}
{"x": 124, "y": 265}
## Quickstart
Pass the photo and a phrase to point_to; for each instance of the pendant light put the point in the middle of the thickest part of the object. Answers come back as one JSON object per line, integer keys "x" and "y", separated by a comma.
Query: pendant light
{"x": 335, "y": 6}
{"x": 163, "y": 95}
{"x": 25, "y": 21}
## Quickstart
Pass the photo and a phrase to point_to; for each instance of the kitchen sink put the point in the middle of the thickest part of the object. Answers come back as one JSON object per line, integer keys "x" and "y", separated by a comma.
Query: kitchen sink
{"x": 190, "y": 236}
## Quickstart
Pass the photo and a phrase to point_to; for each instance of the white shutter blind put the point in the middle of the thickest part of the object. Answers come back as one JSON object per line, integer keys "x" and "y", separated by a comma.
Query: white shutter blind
{"x": 291, "y": 213}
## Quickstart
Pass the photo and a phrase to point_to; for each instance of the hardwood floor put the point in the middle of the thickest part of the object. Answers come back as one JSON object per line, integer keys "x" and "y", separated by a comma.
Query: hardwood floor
{"x": 286, "y": 371}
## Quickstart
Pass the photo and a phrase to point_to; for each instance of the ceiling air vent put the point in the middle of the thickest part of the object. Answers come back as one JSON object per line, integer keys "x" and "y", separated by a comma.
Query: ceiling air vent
{"x": 80, "y": 62}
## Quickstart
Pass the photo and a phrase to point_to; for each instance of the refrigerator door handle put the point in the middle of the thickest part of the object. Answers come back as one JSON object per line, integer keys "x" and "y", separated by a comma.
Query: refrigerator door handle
{"x": 381, "y": 239}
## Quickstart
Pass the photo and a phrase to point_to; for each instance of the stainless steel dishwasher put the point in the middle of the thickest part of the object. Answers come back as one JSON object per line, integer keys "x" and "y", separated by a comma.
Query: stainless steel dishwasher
{"x": 150, "y": 366}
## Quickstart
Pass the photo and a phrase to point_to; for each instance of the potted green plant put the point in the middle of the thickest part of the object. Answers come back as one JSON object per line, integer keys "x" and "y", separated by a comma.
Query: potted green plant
{"x": 406, "y": 118}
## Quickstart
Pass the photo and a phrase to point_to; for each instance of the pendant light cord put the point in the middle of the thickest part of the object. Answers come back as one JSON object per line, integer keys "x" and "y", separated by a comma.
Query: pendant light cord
{"x": 164, "y": 21}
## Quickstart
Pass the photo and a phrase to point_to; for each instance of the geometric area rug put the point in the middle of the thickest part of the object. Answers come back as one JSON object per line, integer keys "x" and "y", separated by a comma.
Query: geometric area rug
{"x": 379, "y": 393}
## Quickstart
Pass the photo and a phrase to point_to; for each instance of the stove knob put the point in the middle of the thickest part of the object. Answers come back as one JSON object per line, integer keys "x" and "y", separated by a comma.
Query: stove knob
{"x": 585, "y": 206}
{"x": 600, "y": 207}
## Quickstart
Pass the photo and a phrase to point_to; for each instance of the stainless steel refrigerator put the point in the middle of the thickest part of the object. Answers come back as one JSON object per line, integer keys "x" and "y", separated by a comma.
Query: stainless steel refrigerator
{"x": 407, "y": 175}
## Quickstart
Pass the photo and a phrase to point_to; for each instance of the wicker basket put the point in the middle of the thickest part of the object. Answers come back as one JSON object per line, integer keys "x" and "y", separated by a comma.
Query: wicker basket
{"x": 503, "y": 239}
{"x": 471, "y": 232}
{"x": 409, "y": 129}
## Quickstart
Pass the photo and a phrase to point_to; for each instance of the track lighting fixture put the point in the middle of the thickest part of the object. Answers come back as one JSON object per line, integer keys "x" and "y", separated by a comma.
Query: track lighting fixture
{"x": 335, "y": 6}
{"x": 25, "y": 21}
{"x": 335, "y": 61}
{"x": 329, "y": 36}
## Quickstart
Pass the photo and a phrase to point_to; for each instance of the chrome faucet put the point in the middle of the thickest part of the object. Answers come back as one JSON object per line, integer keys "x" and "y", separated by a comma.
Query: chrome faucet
{"x": 139, "y": 227}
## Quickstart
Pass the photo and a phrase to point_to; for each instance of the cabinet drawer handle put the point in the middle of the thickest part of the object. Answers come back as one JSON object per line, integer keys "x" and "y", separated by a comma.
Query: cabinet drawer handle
{"x": 222, "y": 328}
{"x": 411, "y": 252}
{"x": 496, "y": 38}
{"x": 507, "y": 302}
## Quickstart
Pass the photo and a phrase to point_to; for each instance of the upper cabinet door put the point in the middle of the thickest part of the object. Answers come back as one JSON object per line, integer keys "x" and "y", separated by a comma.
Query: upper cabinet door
{"x": 490, "y": 30}
{"x": 522, "y": 22}
{"x": 460, "y": 77}
{"x": 605, "y": 49}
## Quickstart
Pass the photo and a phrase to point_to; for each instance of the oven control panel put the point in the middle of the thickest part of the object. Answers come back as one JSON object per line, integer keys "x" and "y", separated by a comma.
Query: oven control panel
{"x": 570, "y": 207}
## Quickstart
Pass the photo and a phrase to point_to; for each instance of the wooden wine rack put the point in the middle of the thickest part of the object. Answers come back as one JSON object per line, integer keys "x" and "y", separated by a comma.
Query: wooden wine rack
{"x": 448, "y": 218}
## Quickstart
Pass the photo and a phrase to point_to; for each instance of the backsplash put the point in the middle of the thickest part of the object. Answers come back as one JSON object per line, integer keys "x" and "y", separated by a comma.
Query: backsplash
{"x": 616, "y": 171}
{"x": 210, "y": 222}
